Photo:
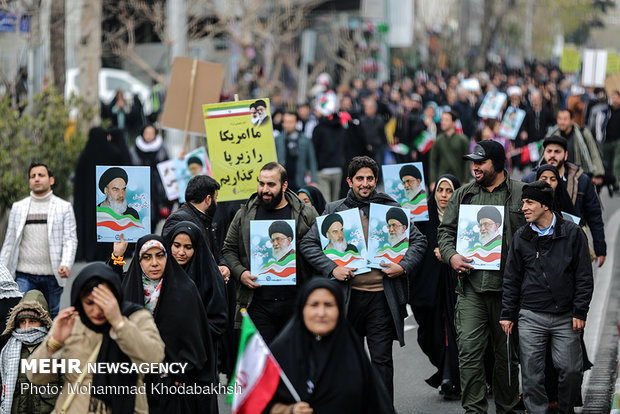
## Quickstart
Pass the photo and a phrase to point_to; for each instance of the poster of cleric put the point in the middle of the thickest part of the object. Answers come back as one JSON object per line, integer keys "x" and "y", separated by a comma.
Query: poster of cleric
{"x": 342, "y": 239}
{"x": 405, "y": 184}
{"x": 272, "y": 245}
{"x": 479, "y": 235}
{"x": 388, "y": 234}
{"x": 123, "y": 203}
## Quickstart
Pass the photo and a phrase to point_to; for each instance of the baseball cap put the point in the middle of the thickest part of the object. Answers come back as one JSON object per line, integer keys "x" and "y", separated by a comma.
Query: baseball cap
{"x": 487, "y": 150}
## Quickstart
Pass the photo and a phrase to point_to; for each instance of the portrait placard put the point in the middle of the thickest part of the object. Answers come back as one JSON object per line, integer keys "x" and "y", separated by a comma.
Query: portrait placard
{"x": 342, "y": 239}
{"x": 492, "y": 104}
{"x": 388, "y": 234}
{"x": 405, "y": 183}
{"x": 240, "y": 142}
{"x": 571, "y": 217}
{"x": 513, "y": 118}
{"x": 479, "y": 235}
{"x": 194, "y": 163}
{"x": 168, "y": 177}
{"x": 123, "y": 199}
{"x": 273, "y": 252}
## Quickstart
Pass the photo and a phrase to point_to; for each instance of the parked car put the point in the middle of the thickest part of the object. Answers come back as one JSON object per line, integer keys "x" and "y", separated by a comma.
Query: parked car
{"x": 111, "y": 80}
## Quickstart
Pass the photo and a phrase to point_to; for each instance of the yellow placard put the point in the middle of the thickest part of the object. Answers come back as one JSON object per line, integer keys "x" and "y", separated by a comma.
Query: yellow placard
{"x": 571, "y": 61}
{"x": 240, "y": 141}
{"x": 613, "y": 63}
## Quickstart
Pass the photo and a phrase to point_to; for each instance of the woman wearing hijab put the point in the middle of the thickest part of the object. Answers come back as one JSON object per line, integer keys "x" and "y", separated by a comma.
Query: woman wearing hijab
{"x": 98, "y": 318}
{"x": 27, "y": 326}
{"x": 155, "y": 280}
{"x": 9, "y": 294}
{"x": 312, "y": 196}
{"x": 190, "y": 250}
{"x": 561, "y": 199}
{"x": 432, "y": 297}
{"x": 324, "y": 360}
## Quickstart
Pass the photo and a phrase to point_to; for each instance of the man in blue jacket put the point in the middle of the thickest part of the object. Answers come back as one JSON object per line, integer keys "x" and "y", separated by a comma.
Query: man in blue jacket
{"x": 580, "y": 189}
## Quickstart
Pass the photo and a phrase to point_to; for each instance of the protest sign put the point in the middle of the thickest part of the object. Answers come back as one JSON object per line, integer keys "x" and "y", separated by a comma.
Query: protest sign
{"x": 479, "y": 235}
{"x": 594, "y": 67}
{"x": 193, "y": 163}
{"x": 123, "y": 199}
{"x": 388, "y": 234}
{"x": 342, "y": 239}
{"x": 405, "y": 184}
{"x": 570, "y": 61}
{"x": 273, "y": 254}
{"x": 513, "y": 118}
{"x": 169, "y": 179}
{"x": 492, "y": 104}
{"x": 240, "y": 141}
{"x": 206, "y": 87}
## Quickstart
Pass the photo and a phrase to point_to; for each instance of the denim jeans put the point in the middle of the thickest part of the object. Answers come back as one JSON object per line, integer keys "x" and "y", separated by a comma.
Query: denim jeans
{"x": 46, "y": 284}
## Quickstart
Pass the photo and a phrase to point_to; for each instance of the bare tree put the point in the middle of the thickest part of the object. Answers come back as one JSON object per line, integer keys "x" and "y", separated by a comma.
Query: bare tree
{"x": 57, "y": 43}
{"x": 89, "y": 55}
{"x": 493, "y": 15}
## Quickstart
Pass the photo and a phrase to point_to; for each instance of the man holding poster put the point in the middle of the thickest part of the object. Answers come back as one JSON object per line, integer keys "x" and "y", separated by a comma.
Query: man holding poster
{"x": 376, "y": 307}
{"x": 269, "y": 306}
{"x": 479, "y": 300}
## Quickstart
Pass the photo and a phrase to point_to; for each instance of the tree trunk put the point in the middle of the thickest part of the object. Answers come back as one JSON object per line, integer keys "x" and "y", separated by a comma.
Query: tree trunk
{"x": 57, "y": 43}
{"x": 89, "y": 55}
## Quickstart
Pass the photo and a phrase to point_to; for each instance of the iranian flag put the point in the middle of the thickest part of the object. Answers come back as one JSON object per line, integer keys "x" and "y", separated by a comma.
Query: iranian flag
{"x": 424, "y": 142}
{"x": 228, "y": 111}
{"x": 257, "y": 373}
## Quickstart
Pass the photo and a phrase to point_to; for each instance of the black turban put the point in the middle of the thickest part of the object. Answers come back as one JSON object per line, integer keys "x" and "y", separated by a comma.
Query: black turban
{"x": 111, "y": 174}
{"x": 329, "y": 220}
{"x": 281, "y": 227}
{"x": 410, "y": 170}
{"x": 397, "y": 214}
{"x": 490, "y": 212}
{"x": 194, "y": 160}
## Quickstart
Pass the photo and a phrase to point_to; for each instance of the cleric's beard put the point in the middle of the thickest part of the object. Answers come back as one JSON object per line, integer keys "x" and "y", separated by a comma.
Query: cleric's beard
{"x": 393, "y": 240}
{"x": 484, "y": 239}
{"x": 119, "y": 207}
{"x": 409, "y": 194}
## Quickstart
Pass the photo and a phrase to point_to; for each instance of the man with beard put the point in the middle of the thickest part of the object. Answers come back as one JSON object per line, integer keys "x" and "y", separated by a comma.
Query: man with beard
{"x": 412, "y": 183}
{"x": 489, "y": 221}
{"x": 580, "y": 189}
{"x": 397, "y": 226}
{"x": 195, "y": 166}
{"x": 281, "y": 235}
{"x": 581, "y": 147}
{"x": 377, "y": 299}
{"x": 332, "y": 229}
{"x": 262, "y": 117}
{"x": 113, "y": 183}
{"x": 40, "y": 242}
{"x": 479, "y": 296}
{"x": 269, "y": 306}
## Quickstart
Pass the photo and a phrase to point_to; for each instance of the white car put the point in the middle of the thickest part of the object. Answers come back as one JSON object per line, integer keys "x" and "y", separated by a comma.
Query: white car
{"x": 111, "y": 80}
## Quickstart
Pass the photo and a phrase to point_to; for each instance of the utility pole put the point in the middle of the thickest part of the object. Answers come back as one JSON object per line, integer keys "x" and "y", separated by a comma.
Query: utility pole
{"x": 529, "y": 27}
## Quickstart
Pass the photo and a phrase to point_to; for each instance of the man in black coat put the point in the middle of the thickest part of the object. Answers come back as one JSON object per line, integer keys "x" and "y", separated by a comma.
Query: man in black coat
{"x": 547, "y": 288}
{"x": 375, "y": 300}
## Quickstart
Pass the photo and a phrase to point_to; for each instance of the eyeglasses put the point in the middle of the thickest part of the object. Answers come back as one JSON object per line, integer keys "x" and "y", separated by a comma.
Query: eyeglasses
{"x": 278, "y": 239}
{"x": 487, "y": 224}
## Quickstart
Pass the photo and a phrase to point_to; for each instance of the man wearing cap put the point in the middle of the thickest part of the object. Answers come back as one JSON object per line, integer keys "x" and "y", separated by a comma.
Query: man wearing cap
{"x": 195, "y": 166}
{"x": 447, "y": 151}
{"x": 269, "y": 306}
{"x": 281, "y": 236}
{"x": 113, "y": 183}
{"x": 376, "y": 300}
{"x": 489, "y": 221}
{"x": 397, "y": 222}
{"x": 412, "y": 183}
{"x": 332, "y": 229}
{"x": 547, "y": 289}
{"x": 580, "y": 189}
{"x": 582, "y": 149}
{"x": 41, "y": 239}
{"x": 479, "y": 296}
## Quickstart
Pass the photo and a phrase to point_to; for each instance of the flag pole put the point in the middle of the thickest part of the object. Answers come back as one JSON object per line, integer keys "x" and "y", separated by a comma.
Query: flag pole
{"x": 289, "y": 386}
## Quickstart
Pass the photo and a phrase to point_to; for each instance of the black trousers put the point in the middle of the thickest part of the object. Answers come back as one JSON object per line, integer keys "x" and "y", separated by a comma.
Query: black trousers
{"x": 270, "y": 316}
{"x": 370, "y": 316}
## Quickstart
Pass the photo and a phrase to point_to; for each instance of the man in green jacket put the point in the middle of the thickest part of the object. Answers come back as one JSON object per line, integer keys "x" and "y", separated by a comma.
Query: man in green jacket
{"x": 447, "y": 151}
{"x": 479, "y": 299}
{"x": 270, "y": 307}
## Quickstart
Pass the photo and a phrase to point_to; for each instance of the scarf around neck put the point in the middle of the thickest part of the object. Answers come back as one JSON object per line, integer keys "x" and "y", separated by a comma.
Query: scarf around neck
{"x": 375, "y": 197}
{"x": 152, "y": 146}
{"x": 10, "y": 356}
{"x": 152, "y": 289}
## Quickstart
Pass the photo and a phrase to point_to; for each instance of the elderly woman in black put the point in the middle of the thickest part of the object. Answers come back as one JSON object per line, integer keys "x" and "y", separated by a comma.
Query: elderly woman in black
{"x": 324, "y": 360}
{"x": 156, "y": 281}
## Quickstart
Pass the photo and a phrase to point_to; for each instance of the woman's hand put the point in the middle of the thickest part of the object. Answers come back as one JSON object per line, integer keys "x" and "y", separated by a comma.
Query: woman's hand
{"x": 120, "y": 247}
{"x": 63, "y": 326}
{"x": 105, "y": 299}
